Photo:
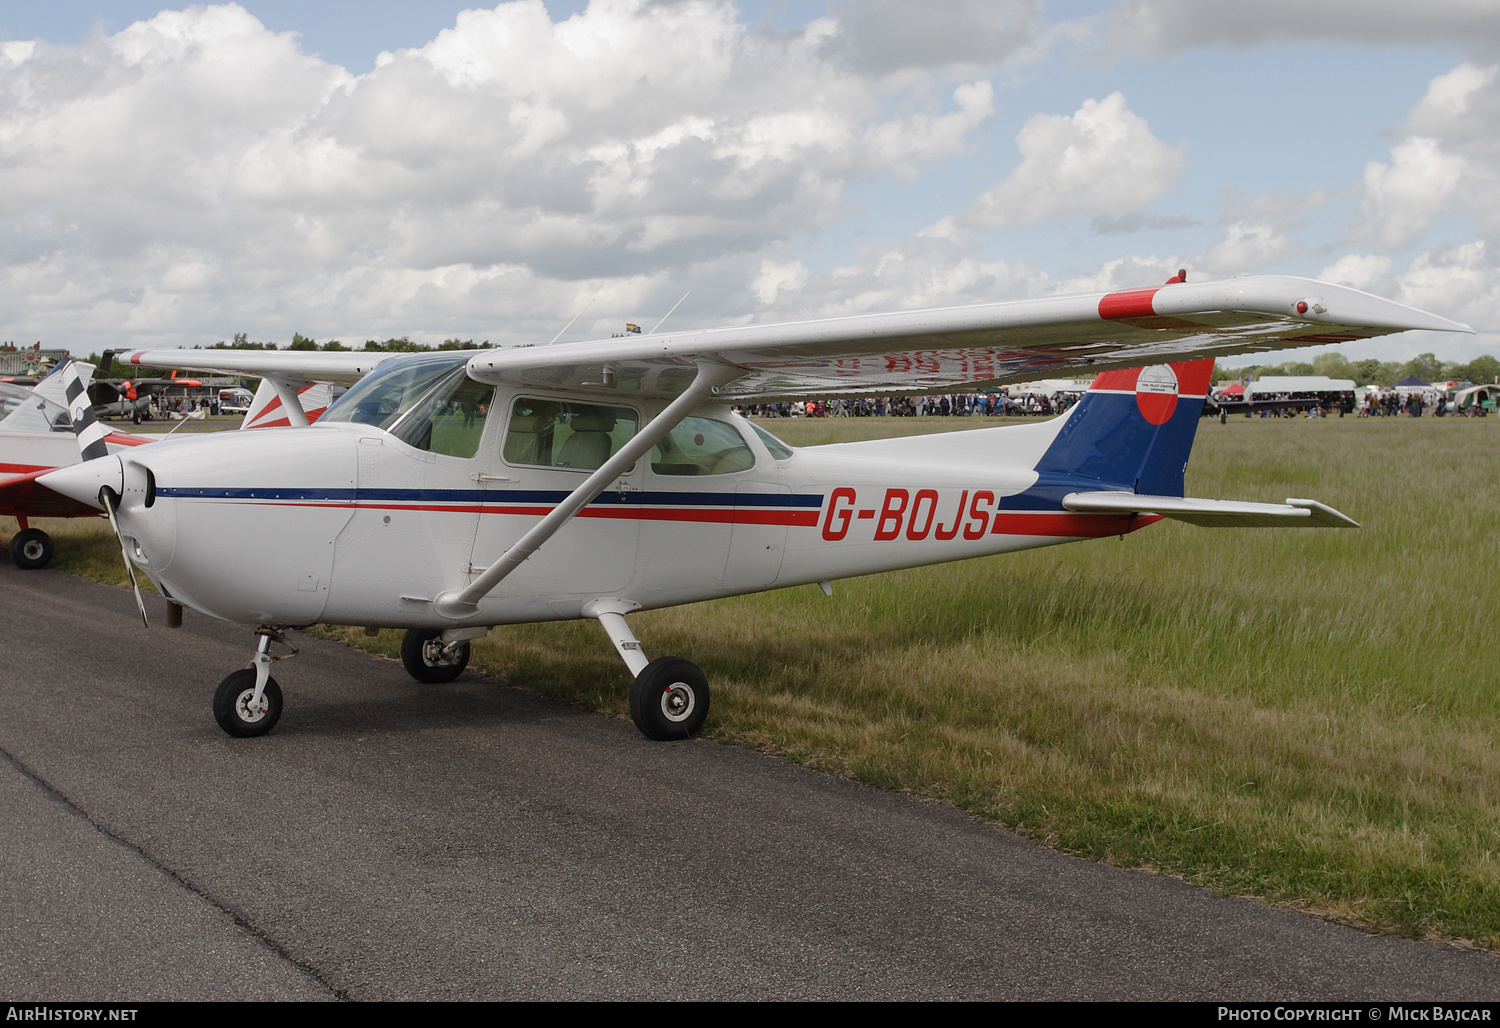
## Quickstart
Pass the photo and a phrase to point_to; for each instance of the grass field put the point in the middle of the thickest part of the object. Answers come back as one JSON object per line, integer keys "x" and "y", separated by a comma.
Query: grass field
{"x": 1304, "y": 716}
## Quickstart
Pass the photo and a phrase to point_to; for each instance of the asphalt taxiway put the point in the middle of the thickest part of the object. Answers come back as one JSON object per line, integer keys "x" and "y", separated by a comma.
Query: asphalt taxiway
{"x": 472, "y": 841}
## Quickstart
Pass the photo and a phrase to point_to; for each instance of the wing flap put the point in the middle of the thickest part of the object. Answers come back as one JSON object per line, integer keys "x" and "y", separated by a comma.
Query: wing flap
{"x": 1194, "y": 510}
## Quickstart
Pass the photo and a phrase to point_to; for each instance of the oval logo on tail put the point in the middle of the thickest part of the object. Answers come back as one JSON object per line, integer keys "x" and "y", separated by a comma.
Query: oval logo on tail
{"x": 1156, "y": 393}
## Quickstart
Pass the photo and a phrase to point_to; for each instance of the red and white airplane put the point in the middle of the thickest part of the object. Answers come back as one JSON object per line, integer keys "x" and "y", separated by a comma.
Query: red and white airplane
{"x": 449, "y": 492}
{"x": 36, "y": 436}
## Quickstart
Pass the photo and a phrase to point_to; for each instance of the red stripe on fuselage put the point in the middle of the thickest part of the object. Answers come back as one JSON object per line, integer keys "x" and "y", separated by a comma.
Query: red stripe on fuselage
{"x": 1067, "y": 524}
{"x": 1060, "y": 524}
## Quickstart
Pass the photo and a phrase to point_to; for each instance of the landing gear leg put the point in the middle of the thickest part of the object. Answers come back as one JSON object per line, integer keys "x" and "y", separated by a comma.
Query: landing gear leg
{"x": 669, "y": 697}
{"x": 248, "y": 701}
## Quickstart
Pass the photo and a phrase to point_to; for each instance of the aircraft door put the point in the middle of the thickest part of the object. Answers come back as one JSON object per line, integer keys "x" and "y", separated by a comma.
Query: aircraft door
{"x": 755, "y": 549}
{"x": 545, "y": 451}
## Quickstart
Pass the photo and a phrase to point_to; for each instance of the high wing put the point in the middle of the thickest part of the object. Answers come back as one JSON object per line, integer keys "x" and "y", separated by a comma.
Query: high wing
{"x": 909, "y": 351}
{"x": 308, "y": 365}
{"x": 969, "y": 347}
{"x": 295, "y": 384}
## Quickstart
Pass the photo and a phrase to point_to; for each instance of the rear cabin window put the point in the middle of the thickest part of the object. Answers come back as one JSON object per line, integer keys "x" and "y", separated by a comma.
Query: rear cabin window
{"x": 564, "y": 434}
{"x": 701, "y": 446}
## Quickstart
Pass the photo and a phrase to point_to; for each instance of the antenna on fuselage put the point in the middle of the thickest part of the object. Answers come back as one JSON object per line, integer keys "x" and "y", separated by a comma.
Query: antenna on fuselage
{"x": 575, "y": 318}
{"x": 667, "y": 315}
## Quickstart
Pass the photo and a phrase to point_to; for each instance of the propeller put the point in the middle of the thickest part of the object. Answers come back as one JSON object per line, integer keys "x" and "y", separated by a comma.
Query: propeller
{"x": 90, "y": 435}
{"x": 110, "y": 500}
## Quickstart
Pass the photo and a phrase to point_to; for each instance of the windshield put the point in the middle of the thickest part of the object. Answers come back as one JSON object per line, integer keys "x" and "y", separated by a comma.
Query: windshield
{"x": 22, "y": 410}
{"x": 779, "y": 449}
{"x": 429, "y": 402}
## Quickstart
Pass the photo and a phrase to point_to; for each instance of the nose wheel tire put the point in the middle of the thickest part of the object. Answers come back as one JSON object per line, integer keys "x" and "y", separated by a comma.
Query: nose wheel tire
{"x": 30, "y": 549}
{"x": 427, "y": 660}
{"x": 669, "y": 699}
{"x": 232, "y": 705}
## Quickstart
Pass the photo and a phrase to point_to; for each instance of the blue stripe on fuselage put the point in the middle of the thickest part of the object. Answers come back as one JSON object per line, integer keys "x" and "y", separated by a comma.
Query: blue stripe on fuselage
{"x": 546, "y": 496}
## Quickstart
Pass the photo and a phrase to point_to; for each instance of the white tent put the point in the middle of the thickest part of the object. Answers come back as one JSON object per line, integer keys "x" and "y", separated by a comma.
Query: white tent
{"x": 1275, "y": 385}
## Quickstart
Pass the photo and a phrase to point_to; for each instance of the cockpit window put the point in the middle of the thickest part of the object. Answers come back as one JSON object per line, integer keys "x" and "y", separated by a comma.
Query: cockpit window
{"x": 22, "y": 410}
{"x": 701, "y": 446}
{"x": 430, "y": 403}
{"x": 779, "y": 449}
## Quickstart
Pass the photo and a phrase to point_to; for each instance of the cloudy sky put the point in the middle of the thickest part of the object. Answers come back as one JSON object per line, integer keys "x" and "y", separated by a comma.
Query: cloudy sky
{"x": 369, "y": 169}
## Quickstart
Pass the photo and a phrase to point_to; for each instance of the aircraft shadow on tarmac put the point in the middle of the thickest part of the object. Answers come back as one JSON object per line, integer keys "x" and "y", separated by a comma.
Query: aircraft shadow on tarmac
{"x": 400, "y": 707}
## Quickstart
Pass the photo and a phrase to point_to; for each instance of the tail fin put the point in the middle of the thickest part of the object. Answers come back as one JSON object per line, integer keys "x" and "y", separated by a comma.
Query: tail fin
{"x": 266, "y": 410}
{"x": 1133, "y": 429}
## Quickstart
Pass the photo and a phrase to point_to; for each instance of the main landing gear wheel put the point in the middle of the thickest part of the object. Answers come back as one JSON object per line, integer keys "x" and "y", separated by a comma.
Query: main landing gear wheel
{"x": 426, "y": 658}
{"x": 669, "y": 699}
{"x": 31, "y": 548}
{"x": 232, "y": 705}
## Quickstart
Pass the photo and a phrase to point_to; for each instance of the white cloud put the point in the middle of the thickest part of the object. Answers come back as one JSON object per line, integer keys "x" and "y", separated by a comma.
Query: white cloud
{"x": 1360, "y": 270}
{"x": 1461, "y": 282}
{"x": 196, "y": 174}
{"x": 1170, "y": 26}
{"x": 881, "y": 36}
{"x": 1246, "y": 246}
{"x": 774, "y": 278}
{"x": 1103, "y": 159}
{"x": 1402, "y": 198}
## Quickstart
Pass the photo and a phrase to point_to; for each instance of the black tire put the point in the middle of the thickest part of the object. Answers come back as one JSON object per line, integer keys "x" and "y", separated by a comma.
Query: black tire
{"x": 669, "y": 699}
{"x": 30, "y": 549}
{"x": 230, "y": 699}
{"x": 427, "y": 666}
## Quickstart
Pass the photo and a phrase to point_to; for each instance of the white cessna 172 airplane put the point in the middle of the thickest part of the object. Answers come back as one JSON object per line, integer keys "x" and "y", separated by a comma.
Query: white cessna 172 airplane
{"x": 450, "y": 492}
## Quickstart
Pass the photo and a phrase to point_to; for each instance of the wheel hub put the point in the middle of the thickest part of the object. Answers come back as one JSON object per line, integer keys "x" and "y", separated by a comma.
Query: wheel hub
{"x": 677, "y": 702}
{"x": 32, "y": 549}
{"x": 247, "y": 713}
{"x": 435, "y": 654}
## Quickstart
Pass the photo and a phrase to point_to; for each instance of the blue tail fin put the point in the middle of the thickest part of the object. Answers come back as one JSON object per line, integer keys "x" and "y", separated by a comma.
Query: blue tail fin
{"x": 1132, "y": 430}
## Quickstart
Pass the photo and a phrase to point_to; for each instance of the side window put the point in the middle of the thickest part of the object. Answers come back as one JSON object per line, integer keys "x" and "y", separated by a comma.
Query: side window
{"x": 701, "y": 446}
{"x": 563, "y": 434}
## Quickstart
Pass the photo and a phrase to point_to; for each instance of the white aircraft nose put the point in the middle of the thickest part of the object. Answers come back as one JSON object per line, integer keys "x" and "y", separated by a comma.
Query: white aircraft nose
{"x": 83, "y": 481}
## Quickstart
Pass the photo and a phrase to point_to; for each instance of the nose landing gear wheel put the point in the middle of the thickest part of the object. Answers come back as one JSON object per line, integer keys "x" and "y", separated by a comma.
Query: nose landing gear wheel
{"x": 232, "y": 705}
{"x": 669, "y": 699}
{"x": 31, "y": 548}
{"x": 427, "y": 660}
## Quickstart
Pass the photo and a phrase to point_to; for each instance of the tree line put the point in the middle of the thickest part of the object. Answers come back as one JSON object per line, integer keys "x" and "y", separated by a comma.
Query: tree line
{"x": 1370, "y": 371}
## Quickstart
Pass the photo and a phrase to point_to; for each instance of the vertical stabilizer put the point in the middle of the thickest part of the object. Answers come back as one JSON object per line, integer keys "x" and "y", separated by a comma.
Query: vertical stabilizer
{"x": 1133, "y": 429}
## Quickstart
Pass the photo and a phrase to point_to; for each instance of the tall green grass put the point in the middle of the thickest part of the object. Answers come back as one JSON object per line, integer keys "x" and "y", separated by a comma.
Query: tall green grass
{"x": 1307, "y": 716}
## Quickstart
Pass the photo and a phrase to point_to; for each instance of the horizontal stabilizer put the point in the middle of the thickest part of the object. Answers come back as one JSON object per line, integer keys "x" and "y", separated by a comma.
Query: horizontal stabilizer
{"x": 1213, "y": 513}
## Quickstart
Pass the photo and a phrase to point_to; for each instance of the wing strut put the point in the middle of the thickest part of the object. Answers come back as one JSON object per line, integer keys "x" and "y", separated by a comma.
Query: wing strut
{"x": 710, "y": 378}
{"x": 287, "y": 391}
